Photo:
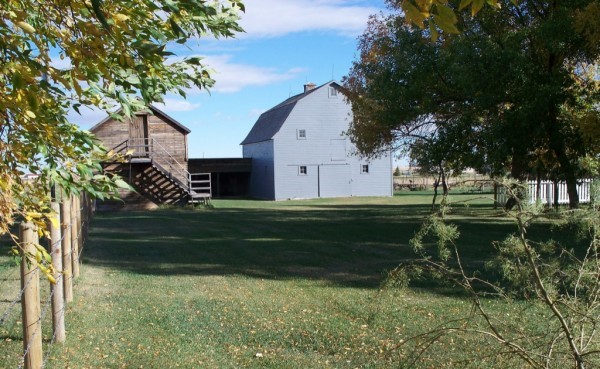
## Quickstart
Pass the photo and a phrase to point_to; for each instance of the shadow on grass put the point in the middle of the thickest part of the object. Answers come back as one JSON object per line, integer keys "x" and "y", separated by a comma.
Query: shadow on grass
{"x": 347, "y": 245}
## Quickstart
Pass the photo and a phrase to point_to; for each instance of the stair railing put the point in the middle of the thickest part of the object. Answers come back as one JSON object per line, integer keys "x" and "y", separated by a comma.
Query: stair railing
{"x": 161, "y": 158}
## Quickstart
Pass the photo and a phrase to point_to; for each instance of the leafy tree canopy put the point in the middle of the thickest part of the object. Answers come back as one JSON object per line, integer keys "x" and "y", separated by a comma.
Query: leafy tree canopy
{"x": 117, "y": 55}
{"x": 517, "y": 89}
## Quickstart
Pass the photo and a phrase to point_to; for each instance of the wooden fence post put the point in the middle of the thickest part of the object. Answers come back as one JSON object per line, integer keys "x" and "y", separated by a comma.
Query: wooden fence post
{"x": 495, "y": 195}
{"x": 85, "y": 216}
{"x": 30, "y": 301}
{"x": 74, "y": 236}
{"x": 79, "y": 222}
{"x": 57, "y": 289}
{"x": 65, "y": 212}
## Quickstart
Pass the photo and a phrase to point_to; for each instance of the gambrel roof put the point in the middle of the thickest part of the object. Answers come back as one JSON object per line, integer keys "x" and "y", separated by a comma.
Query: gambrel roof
{"x": 180, "y": 127}
{"x": 271, "y": 121}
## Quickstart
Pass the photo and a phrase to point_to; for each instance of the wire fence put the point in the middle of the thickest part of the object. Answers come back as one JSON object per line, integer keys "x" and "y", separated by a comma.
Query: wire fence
{"x": 32, "y": 317}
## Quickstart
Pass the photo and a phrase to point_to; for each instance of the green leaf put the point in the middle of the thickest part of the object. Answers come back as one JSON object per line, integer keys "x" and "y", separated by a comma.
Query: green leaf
{"x": 476, "y": 7}
{"x": 122, "y": 184}
{"x": 133, "y": 79}
{"x": 17, "y": 80}
{"x": 179, "y": 32}
{"x": 446, "y": 13}
{"x": 444, "y": 25}
{"x": 434, "y": 35}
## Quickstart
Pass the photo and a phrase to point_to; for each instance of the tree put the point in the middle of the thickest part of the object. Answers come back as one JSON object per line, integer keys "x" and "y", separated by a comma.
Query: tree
{"x": 560, "y": 282}
{"x": 518, "y": 87}
{"x": 513, "y": 81}
{"x": 117, "y": 55}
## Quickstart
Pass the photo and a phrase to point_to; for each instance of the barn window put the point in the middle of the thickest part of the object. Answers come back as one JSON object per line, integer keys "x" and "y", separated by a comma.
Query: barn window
{"x": 333, "y": 91}
{"x": 364, "y": 169}
{"x": 302, "y": 170}
{"x": 301, "y": 134}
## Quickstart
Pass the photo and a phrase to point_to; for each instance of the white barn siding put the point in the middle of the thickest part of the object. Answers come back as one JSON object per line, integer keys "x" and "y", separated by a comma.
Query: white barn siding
{"x": 331, "y": 169}
{"x": 291, "y": 184}
{"x": 379, "y": 180}
{"x": 262, "y": 175}
{"x": 323, "y": 118}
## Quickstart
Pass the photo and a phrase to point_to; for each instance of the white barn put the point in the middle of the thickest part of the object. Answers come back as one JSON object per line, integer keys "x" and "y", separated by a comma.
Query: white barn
{"x": 299, "y": 150}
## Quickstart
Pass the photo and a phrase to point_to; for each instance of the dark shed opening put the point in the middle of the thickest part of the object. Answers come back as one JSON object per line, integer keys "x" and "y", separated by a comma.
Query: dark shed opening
{"x": 230, "y": 177}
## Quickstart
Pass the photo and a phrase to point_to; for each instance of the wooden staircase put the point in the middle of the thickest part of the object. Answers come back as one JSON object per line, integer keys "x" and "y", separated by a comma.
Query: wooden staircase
{"x": 153, "y": 172}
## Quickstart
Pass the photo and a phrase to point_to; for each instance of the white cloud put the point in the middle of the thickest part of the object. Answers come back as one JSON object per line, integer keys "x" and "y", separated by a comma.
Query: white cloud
{"x": 232, "y": 77}
{"x": 173, "y": 104}
{"x": 273, "y": 18}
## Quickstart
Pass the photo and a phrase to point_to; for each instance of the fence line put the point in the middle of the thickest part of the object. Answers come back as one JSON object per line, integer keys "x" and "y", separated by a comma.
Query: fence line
{"x": 57, "y": 289}
{"x": 47, "y": 305}
{"x": 14, "y": 302}
{"x": 65, "y": 246}
{"x": 550, "y": 193}
{"x": 30, "y": 301}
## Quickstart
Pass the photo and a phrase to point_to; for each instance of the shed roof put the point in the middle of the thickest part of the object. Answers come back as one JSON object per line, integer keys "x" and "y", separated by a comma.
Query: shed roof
{"x": 270, "y": 122}
{"x": 155, "y": 111}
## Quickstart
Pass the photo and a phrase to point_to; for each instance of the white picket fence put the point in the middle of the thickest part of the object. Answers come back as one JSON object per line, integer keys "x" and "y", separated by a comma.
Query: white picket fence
{"x": 546, "y": 192}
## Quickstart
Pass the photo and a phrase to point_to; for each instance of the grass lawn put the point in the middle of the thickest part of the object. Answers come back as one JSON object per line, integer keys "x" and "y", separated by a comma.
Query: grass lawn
{"x": 260, "y": 284}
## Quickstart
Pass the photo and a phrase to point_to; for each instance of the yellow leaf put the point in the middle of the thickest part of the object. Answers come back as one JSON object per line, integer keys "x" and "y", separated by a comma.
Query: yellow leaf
{"x": 494, "y": 3}
{"x": 33, "y": 215}
{"x": 30, "y": 114}
{"x": 424, "y": 5}
{"x": 413, "y": 15}
{"x": 120, "y": 17}
{"x": 51, "y": 278}
{"x": 54, "y": 221}
{"x": 26, "y": 27}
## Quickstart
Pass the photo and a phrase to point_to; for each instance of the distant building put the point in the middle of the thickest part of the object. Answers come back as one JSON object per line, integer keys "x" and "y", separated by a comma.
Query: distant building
{"x": 298, "y": 150}
{"x": 155, "y": 162}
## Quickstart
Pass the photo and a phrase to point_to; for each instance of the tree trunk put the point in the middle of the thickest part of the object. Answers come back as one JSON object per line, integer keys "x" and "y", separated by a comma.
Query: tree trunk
{"x": 436, "y": 184}
{"x": 568, "y": 170}
{"x": 444, "y": 184}
{"x": 558, "y": 140}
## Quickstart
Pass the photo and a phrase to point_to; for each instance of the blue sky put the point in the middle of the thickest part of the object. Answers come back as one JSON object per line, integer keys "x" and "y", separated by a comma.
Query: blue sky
{"x": 287, "y": 44}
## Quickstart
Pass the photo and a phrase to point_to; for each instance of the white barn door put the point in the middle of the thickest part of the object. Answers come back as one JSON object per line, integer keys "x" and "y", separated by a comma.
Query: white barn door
{"x": 334, "y": 181}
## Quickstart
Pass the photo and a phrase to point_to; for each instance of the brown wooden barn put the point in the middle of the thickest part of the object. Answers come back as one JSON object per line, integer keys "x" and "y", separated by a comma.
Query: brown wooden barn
{"x": 156, "y": 159}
